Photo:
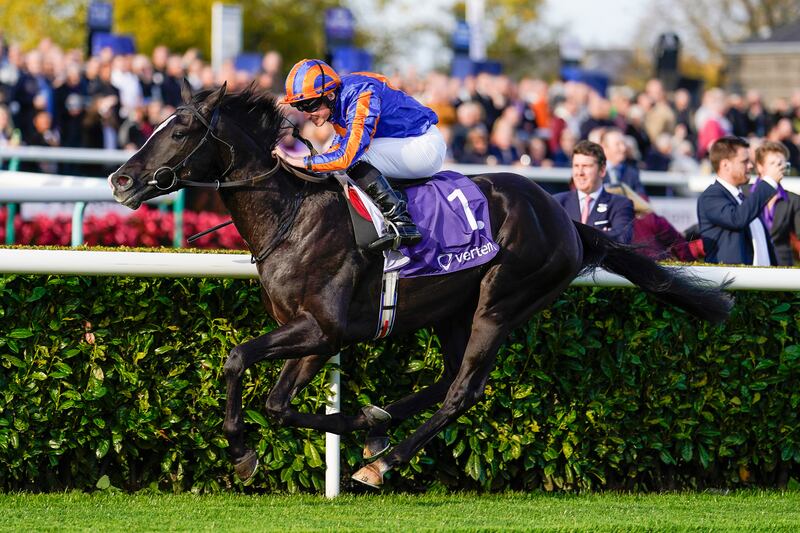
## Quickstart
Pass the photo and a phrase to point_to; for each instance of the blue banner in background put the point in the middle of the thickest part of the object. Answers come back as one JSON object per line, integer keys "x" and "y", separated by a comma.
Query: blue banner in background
{"x": 119, "y": 44}
{"x": 99, "y": 16}
{"x": 340, "y": 26}
{"x": 347, "y": 59}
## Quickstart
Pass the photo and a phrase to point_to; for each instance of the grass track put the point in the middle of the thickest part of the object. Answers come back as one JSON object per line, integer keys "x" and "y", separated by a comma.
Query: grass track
{"x": 744, "y": 511}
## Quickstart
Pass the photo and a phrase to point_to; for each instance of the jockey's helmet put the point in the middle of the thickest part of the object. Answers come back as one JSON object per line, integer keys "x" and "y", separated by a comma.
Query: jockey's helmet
{"x": 310, "y": 79}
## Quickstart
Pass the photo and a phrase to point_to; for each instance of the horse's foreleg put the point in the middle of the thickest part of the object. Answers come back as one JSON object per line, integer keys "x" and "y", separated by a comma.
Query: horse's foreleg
{"x": 295, "y": 375}
{"x": 453, "y": 337}
{"x": 296, "y": 338}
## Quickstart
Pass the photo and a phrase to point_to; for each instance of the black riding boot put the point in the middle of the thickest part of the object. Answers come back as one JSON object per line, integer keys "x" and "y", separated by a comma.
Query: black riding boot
{"x": 391, "y": 205}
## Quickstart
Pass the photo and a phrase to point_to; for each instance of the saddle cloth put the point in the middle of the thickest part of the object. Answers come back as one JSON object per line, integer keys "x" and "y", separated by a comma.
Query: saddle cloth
{"x": 452, "y": 215}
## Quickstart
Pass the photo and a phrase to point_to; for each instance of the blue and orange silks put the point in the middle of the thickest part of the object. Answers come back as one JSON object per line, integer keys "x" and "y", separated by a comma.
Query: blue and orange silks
{"x": 366, "y": 107}
{"x": 310, "y": 78}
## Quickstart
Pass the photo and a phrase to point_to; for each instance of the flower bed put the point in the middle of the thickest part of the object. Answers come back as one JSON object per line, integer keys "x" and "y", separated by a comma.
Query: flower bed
{"x": 146, "y": 226}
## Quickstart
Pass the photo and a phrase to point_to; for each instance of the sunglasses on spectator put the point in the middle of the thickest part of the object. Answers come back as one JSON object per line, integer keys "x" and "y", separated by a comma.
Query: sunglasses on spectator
{"x": 308, "y": 106}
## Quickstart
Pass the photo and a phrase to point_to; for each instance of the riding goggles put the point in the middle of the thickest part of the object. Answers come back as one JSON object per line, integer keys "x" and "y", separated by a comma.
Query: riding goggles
{"x": 308, "y": 106}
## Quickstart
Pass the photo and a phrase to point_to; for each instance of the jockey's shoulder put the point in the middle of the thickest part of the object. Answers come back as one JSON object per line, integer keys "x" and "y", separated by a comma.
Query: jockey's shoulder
{"x": 365, "y": 78}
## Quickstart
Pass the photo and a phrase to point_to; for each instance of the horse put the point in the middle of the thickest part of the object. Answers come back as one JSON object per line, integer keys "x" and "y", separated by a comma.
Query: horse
{"x": 323, "y": 290}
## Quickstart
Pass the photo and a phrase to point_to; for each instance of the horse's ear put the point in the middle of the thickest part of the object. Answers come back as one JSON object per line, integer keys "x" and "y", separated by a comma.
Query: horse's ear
{"x": 186, "y": 91}
{"x": 214, "y": 99}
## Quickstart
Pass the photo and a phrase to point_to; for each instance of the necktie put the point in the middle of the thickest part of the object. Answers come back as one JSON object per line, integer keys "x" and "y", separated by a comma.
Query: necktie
{"x": 587, "y": 201}
{"x": 741, "y": 196}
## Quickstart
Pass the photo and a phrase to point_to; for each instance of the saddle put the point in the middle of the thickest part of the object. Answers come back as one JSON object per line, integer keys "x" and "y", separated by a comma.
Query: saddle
{"x": 450, "y": 212}
{"x": 363, "y": 226}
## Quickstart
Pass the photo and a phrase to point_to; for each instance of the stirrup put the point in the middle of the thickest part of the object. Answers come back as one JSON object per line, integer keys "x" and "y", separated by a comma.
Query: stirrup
{"x": 390, "y": 240}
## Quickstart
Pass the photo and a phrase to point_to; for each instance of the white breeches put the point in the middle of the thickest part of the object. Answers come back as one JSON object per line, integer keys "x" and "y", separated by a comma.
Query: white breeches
{"x": 410, "y": 157}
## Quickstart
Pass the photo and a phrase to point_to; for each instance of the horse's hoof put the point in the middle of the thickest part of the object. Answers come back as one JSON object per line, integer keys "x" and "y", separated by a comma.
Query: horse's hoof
{"x": 375, "y": 415}
{"x": 246, "y": 467}
{"x": 375, "y": 448}
{"x": 369, "y": 475}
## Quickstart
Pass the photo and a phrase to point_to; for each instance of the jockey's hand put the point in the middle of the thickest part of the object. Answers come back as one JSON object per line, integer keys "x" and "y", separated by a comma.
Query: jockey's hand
{"x": 290, "y": 160}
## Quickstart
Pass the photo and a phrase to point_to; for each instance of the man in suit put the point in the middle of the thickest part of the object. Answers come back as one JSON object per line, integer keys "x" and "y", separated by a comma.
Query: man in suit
{"x": 590, "y": 203}
{"x": 620, "y": 169}
{"x": 781, "y": 215}
{"x": 729, "y": 223}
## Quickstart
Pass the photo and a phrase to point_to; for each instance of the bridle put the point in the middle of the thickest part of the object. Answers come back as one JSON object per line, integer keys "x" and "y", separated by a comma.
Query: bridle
{"x": 217, "y": 184}
{"x": 211, "y": 126}
{"x": 173, "y": 171}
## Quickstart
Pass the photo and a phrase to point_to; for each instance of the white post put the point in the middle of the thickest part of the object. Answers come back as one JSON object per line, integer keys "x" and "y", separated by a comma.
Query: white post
{"x": 332, "y": 440}
{"x": 476, "y": 19}
{"x": 226, "y": 33}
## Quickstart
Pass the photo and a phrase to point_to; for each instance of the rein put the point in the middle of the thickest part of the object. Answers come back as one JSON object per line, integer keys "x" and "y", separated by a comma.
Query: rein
{"x": 286, "y": 222}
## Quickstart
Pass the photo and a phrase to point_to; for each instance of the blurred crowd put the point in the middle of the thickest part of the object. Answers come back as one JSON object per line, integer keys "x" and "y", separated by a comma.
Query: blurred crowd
{"x": 55, "y": 97}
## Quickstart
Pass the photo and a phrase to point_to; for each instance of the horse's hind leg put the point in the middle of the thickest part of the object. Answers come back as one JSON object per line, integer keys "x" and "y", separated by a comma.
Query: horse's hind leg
{"x": 465, "y": 390}
{"x": 506, "y": 300}
{"x": 453, "y": 337}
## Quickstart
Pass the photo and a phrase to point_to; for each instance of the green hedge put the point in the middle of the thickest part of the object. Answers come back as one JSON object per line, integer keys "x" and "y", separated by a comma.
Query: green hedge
{"x": 122, "y": 377}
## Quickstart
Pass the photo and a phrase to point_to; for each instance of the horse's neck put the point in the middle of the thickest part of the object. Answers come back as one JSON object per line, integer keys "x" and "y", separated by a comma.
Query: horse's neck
{"x": 260, "y": 212}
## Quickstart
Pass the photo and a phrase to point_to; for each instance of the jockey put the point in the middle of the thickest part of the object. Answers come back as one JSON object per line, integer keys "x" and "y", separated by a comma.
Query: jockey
{"x": 379, "y": 131}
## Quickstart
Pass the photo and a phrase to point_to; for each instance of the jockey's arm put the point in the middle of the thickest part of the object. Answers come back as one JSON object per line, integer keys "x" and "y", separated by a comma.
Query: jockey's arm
{"x": 362, "y": 119}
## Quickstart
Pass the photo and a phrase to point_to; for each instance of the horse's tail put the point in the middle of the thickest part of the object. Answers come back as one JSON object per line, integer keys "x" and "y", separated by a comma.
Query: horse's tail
{"x": 675, "y": 286}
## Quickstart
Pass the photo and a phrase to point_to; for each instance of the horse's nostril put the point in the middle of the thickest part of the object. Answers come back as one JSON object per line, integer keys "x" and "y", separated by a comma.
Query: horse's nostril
{"x": 121, "y": 182}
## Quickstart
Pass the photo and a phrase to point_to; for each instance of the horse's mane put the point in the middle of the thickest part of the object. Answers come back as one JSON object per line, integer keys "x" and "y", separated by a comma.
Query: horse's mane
{"x": 254, "y": 109}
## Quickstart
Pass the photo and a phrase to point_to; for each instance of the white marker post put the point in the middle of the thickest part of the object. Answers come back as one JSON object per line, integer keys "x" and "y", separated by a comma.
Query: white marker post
{"x": 332, "y": 440}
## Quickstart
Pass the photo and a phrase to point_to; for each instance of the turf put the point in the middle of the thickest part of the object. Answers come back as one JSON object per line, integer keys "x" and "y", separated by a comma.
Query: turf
{"x": 744, "y": 511}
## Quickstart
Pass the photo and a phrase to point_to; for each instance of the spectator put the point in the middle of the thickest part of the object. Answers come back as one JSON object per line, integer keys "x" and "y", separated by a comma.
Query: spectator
{"x": 10, "y": 66}
{"x": 127, "y": 83}
{"x": 476, "y": 148}
{"x": 683, "y": 159}
{"x": 43, "y": 134}
{"x": 590, "y": 203}
{"x": 563, "y": 155}
{"x": 537, "y": 153}
{"x": 660, "y": 157}
{"x": 782, "y": 132}
{"x": 143, "y": 70}
{"x": 781, "y": 215}
{"x": 468, "y": 116}
{"x": 134, "y": 131}
{"x": 653, "y": 235}
{"x": 502, "y": 146}
{"x": 32, "y": 93}
{"x": 159, "y": 66}
{"x": 620, "y": 98}
{"x": 635, "y": 129}
{"x": 729, "y": 223}
{"x": 72, "y": 83}
{"x": 684, "y": 116}
{"x": 737, "y": 115}
{"x": 485, "y": 95}
{"x": 757, "y": 117}
{"x": 599, "y": 115}
{"x": 7, "y": 135}
{"x": 619, "y": 168}
{"x": 659, "y": 118}
{"x": 711, "y": 121}
{"x": 171, "y": 87}
{"x": 437, "y": 98}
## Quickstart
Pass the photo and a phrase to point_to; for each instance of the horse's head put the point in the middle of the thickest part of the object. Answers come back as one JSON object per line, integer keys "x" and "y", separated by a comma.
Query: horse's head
{"x": 183, "y": 147}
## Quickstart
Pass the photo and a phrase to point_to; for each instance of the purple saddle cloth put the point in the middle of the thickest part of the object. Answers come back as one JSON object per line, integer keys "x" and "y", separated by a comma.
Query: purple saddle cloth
{"x": 452, "y": 215}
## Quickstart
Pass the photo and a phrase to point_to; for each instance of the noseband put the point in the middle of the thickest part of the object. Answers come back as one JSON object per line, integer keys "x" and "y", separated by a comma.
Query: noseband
{"x": 171, "y": 173}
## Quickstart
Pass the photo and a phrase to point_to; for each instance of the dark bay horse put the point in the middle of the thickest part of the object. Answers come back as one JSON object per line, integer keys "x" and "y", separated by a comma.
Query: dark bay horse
{"x": 323, "y": 290}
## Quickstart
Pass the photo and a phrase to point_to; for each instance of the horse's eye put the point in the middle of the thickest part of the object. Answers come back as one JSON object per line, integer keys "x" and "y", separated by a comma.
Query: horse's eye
{"x": 178, "y": 135}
